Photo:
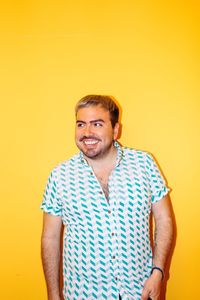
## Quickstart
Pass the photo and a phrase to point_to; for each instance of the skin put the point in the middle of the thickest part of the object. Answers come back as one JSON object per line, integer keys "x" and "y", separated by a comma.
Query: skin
{"x": 50, "y": 243}
{"x": 162, "y": 243}
{"x": 94, "y": 136}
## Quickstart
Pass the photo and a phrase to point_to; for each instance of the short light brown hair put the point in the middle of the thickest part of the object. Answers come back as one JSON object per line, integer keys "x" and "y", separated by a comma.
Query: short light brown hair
{"x": 106, "y": 102}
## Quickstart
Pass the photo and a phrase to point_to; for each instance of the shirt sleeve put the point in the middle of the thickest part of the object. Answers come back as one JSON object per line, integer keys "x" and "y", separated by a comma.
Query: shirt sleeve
{"x": 51, "y": 200}
{"x": 157, "y": 182}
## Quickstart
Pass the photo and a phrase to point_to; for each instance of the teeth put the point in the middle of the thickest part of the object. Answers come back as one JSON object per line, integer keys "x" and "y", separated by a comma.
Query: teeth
{"x": 90, "y": 142}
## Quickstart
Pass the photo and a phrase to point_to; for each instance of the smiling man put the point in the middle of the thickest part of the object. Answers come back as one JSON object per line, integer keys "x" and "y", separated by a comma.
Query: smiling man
{"x": 104, "y": 196}
{"x": 95, "y": 133}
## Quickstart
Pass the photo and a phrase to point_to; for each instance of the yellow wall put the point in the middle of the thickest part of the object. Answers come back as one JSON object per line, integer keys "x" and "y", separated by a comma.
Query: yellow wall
{"x": 146, "y": 54}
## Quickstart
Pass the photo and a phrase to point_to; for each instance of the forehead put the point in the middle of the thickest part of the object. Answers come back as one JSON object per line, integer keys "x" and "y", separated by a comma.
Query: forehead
{"x": 93, "y": 113}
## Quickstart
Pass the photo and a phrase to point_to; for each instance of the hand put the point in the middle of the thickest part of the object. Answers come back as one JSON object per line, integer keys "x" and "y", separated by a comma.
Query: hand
{"x": 152, "y": 286}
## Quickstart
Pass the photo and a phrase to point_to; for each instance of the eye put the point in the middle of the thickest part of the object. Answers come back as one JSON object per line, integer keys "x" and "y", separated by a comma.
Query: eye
{"x": 98, "y": 124}
{"x": 79, "y": 125}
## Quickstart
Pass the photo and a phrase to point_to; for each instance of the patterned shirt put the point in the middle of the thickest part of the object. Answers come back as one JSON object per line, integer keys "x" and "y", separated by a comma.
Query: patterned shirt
{"x": 106, "y": 248}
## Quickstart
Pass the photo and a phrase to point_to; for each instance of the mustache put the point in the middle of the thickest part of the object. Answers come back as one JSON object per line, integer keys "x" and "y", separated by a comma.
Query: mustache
{"x": 91, "y": 137}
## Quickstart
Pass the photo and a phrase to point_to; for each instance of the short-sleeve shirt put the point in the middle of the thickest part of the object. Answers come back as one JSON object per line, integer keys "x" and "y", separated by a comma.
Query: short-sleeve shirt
{"x": 106, "y": 248}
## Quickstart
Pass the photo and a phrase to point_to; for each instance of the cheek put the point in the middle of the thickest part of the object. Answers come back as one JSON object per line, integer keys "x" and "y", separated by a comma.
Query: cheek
{"x": 77, "y": 134}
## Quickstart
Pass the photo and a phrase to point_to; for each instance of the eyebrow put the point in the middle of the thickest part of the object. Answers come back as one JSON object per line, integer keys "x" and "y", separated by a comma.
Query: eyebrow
{"x": 92, "y": 121}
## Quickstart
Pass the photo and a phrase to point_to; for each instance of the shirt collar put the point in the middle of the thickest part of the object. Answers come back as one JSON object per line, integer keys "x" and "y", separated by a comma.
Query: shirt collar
{"x": 120, "y": 154}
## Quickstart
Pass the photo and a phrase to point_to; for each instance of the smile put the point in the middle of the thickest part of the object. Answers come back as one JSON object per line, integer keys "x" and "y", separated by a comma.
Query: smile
{"x": 90, "y": 142}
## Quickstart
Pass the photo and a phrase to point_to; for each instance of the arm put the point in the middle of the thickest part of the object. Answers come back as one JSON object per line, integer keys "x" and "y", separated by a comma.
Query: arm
{"x": 162, "y": 243}
{"x": 51, "y": 254}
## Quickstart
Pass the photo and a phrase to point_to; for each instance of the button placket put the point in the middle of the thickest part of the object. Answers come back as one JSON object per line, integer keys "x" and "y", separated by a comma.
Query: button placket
{"x": 114, "y": 238}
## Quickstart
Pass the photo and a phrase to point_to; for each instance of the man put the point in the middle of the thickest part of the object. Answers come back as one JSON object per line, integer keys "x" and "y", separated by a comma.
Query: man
{"x": 104, "y": 196}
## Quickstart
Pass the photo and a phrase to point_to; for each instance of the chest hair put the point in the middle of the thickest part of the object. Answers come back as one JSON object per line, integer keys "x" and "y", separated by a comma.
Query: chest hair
{"x": 103, "y": 180}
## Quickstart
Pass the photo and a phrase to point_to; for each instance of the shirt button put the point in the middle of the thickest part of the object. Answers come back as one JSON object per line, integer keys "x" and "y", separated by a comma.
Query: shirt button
{"x": 112, "y": 233}
{"x": 101, "y": 192}
{"x": 113, "y": 256}
{"x": 116, "y": 278}
{"x": 109, "y": 211}
{"x": 91, "y": 173}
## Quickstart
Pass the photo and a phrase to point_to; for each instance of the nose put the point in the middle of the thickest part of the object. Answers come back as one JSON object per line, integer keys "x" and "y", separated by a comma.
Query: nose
{"x": 88, "y": 130}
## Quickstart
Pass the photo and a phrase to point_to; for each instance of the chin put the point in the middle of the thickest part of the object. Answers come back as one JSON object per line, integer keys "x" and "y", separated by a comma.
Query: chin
{"x": 91, "y": 154}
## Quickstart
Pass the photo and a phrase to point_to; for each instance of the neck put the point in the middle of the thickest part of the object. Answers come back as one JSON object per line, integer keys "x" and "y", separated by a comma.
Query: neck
{"x": 106, "y": 161}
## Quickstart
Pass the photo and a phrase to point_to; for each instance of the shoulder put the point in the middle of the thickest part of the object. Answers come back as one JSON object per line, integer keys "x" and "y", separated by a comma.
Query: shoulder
{"x": 137, "y": 158}
{"x": 65, "y": 165}
{"x": 136, "y": 153}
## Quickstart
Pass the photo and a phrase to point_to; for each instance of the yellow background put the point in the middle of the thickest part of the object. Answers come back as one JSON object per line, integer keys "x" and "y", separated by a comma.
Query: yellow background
{"x": 146, "y": 54}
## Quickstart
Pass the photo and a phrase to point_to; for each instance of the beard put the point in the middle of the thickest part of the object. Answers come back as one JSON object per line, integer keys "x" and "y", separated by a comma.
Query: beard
{"x": 96, "y": 151}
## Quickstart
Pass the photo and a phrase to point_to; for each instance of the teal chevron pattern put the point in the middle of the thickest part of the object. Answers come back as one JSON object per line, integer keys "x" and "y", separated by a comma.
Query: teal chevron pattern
{"x": 106, "y": 245}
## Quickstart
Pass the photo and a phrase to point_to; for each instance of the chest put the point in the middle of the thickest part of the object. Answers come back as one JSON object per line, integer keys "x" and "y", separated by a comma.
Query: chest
{"x": 103, "y": 179}
{"x": 85, "y": 195}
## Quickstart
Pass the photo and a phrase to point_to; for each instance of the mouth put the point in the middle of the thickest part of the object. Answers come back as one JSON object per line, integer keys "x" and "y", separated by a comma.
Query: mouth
{"x": 90, "y": 142}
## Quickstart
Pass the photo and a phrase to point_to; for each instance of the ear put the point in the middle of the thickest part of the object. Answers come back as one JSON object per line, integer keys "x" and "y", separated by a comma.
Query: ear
{"x": 116, "y": 131}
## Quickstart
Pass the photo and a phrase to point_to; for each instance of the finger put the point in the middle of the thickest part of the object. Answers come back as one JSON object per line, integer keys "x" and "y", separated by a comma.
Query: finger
{"x": 145, "y": 295}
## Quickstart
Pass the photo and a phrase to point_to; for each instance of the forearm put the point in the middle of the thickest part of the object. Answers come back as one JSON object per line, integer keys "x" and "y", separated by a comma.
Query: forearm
{"x": 162, "y": 240}
{"x": 51, "y": 266}
{"x": 162, "y": 243}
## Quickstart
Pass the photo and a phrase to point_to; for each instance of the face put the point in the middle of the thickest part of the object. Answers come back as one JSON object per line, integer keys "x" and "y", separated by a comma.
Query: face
{"x": 94, "y": 132}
